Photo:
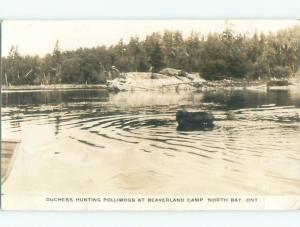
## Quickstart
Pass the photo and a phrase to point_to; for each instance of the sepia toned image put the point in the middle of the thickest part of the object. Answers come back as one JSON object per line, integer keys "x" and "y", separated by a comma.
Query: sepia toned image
{"x": 150, "y": 114}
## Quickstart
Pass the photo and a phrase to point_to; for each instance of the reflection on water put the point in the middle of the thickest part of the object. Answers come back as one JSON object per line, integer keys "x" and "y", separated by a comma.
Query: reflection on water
{"x": 255, "y": 139}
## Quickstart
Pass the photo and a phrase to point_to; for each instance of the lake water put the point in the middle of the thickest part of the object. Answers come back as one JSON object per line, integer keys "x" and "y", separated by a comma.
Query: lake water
{"x": 92, "y": 141}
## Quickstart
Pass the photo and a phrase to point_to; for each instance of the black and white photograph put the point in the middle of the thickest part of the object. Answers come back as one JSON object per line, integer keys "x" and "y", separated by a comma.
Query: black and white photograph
{"x": 150, "y": 114}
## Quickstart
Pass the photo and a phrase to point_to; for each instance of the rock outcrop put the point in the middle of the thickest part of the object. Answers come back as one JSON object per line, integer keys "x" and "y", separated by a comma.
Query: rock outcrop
{"x": 166, "y": 79}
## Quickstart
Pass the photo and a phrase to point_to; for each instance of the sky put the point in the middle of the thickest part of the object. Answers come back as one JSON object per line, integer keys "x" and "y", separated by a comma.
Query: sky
{"x": 38, "y": 37}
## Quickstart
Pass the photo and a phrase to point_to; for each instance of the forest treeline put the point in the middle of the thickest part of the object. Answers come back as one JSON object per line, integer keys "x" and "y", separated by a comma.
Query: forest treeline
{"x": 215, "y": 56}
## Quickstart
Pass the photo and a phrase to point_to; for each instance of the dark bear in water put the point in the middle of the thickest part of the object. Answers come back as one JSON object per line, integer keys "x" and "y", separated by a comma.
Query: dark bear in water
{"x": 192, "y": 120}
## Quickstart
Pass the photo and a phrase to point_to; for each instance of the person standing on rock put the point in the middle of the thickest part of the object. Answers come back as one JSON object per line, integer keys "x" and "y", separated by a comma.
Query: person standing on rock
{"x": 115, "y": 72}
{"x": 151, "y": 71}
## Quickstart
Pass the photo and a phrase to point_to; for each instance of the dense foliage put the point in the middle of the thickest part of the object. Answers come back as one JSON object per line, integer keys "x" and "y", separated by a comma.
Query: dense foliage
{"x": 215, "y": 56}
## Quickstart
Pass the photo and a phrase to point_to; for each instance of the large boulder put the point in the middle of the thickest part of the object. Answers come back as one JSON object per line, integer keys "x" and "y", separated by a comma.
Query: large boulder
{"x": 157, "y": 76}
{"x": 172, "y": 72}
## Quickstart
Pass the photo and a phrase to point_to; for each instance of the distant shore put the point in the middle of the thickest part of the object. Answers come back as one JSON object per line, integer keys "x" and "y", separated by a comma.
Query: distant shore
{"x": 144, "y": 81}
{"x": 52, "y": 87}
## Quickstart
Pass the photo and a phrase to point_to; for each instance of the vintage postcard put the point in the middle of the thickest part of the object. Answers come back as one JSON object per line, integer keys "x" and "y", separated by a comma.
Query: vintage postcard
{"x": 150, "y": 115}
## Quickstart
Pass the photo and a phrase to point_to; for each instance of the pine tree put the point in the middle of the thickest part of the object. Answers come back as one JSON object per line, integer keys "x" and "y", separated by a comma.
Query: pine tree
{"x": 156, "y": 58}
